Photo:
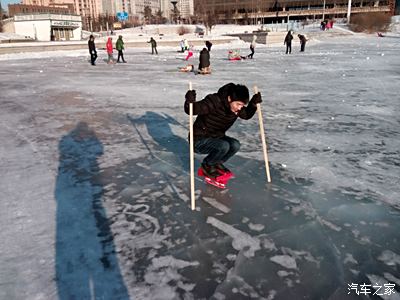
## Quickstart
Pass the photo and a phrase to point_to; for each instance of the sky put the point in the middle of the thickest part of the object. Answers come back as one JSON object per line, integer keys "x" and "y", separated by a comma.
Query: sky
{"x": 4, "y": 3}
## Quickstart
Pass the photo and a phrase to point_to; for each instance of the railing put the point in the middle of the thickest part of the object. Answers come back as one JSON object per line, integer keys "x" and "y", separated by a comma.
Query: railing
{"x": 304, "y": 12}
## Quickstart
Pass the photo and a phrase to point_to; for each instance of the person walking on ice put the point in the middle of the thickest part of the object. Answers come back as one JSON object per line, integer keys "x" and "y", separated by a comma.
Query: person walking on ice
{"x": 252, "y": 46}
{"x": 216, "y": 114}
{"x": 120, "y": 46}
{"x": 109, "y": 47}
{"x": 92, "y": 50}
{"x": 153, "y": 45}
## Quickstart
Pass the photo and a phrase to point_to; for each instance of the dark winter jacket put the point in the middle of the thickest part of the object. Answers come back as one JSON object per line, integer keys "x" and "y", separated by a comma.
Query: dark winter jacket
{"x": 208, "y": 45}
{"x": 153, "y": 42}
{"x": 288, "y": 38}
{"x": 214, "y": 114}
{"x": 302, "y": 38}
{"x": 204, "y": 59}
{"x": 92, "y": 46}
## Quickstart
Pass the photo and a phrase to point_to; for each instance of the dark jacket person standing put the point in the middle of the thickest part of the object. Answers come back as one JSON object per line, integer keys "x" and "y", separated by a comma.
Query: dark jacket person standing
{"x": 288, "y": 42}
{"x": 216, "y": 114}
{"x": 208, "y": 45}
{"x": 153, "y": 45}
{"x": 92, "y": 50}
{"x": 204, "y": 65}
{"x": 303, "y": 41}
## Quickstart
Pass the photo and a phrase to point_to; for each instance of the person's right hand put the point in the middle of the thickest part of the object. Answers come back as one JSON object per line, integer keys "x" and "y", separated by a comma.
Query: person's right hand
{"x": 256, "y": 99}
{"x": 191, "y": 96}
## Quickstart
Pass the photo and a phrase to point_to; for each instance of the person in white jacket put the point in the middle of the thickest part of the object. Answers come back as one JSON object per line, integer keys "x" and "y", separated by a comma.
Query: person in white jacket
{"x": 252, "y": 47}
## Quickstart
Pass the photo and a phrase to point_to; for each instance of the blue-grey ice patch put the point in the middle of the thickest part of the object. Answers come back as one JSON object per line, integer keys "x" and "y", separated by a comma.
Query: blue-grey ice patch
{"x": 241, "y": 240}
{"x": 216, "y": 204}
{"x": 285, "y": 261}
{"x": 350, "y": 259}
{"x": 389, "y": 258}
{"x": 256, "y": 227}
{"x": 322, "y": 175}
{"x": 162, "y": 272}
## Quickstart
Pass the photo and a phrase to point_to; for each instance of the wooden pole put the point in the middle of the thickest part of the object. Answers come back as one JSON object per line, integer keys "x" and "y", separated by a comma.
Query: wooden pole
{"x": 264, "y": 144}
{"x": 193, "y": 199}
{"x": 348, "y": 12}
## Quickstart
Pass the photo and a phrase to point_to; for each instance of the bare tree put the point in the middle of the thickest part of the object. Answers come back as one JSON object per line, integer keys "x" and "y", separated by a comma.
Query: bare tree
{"x": 148, "y": 16}
{"x": 2, "y": 17}
{"x": 208, "y": 17}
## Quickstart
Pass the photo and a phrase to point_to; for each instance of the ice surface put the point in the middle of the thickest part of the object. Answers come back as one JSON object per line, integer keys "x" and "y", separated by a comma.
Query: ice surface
{"x": 94, "y": 188}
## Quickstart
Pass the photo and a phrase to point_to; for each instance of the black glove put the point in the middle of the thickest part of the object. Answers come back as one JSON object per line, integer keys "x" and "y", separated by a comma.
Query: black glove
{"x": 191, "y": 96}
{"x": 256, "y": 99}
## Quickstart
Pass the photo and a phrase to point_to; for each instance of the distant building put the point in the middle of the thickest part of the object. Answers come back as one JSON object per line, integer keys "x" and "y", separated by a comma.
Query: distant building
{"x": 186, "y": 8}
{"x": 250, "y": 11}
{"x": 138, "y": 6}
{"x": 45, "y": 26}
{"x": 166, "y": 8}
{"x": 85, "y": 8}
{"x": 15, "y": 9}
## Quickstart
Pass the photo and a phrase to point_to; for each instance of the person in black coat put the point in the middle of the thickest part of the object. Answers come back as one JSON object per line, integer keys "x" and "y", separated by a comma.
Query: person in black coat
{"x": 216, "y": 114}
{"x": 208, "y": 45}
{"x": 153, "y": 45}
{"x": 92, "y": 50}
{"x": 204, "y": 65}
{"x": 303, "y": 41}
{"x": 288, "y": 42}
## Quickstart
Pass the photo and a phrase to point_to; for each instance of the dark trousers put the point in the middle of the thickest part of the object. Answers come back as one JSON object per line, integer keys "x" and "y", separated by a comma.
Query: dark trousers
{"x": 252, "y": 52}
{"x": 302, "y": 46}
{"x": 219, "y": 150}
{"x": 288, "y": 48}
{"x": 154, "y": 49}
{"x": 93, "y": 57}
{"x": 120, "y": 55}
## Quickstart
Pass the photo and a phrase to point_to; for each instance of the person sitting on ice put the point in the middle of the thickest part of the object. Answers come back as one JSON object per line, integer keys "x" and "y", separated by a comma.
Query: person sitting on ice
{"x": 188, "y": 68}
{"x": 216, "y": 113}
{"x": 235, "y": 55}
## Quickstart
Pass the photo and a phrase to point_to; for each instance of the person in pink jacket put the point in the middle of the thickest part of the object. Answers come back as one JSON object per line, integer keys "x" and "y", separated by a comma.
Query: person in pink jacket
{"x": 109, "y": 47}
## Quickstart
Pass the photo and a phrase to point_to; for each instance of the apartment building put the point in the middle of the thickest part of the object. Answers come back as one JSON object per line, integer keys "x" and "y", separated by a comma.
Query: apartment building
{"x": 85, "y": 8}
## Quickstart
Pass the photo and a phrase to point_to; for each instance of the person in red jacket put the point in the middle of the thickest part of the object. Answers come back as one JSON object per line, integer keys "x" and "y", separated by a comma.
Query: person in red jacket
{"x": 109, "y": 47}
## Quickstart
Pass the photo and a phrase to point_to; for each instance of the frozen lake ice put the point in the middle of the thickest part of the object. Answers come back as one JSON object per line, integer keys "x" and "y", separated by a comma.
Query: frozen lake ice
{"x": 95, "y": 199}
